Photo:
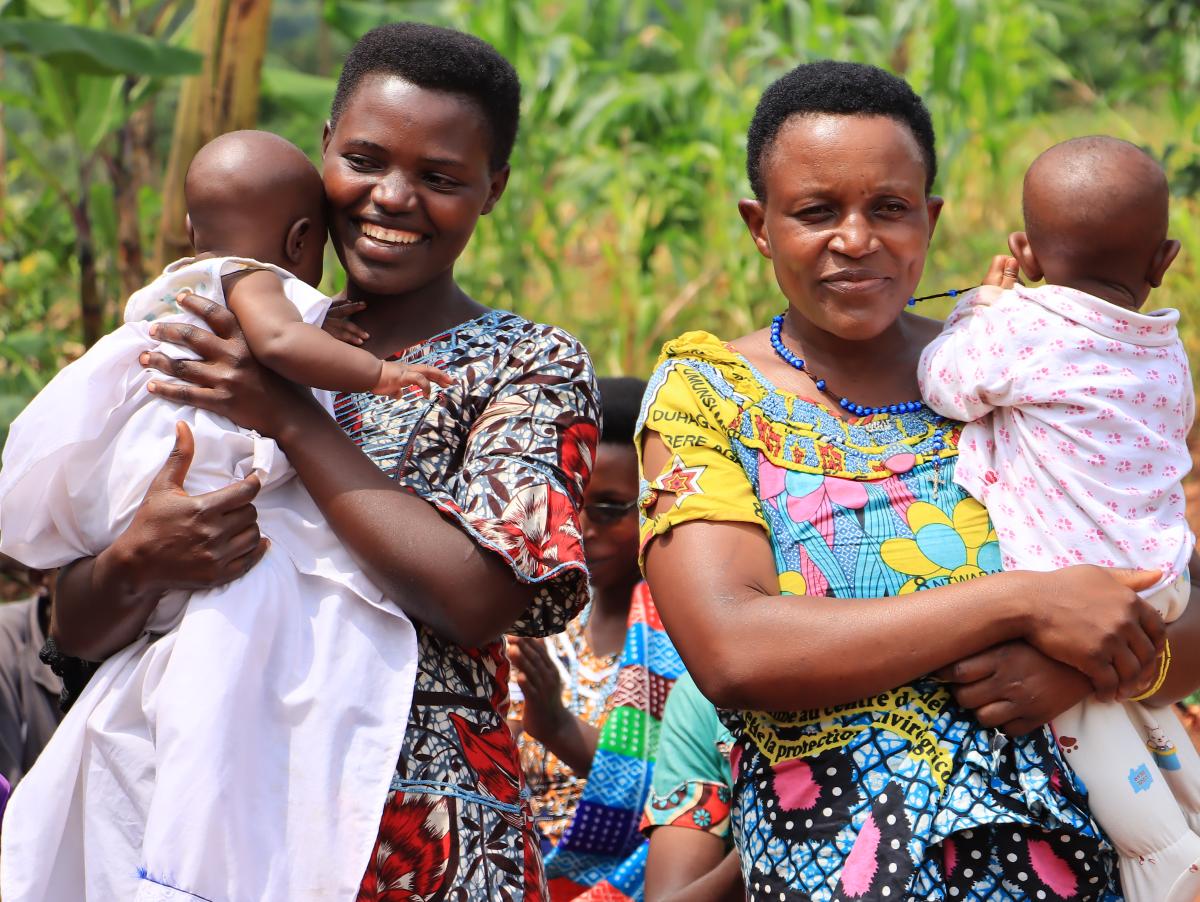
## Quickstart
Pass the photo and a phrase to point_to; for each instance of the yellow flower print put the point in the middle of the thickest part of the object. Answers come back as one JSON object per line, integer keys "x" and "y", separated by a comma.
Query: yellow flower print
{"x": 792, "y": 582}
{"x": 943, "y": 549}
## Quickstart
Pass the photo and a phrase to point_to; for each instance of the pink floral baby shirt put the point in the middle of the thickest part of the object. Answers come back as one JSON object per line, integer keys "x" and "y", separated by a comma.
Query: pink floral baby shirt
{"x": 1082, "y": 458}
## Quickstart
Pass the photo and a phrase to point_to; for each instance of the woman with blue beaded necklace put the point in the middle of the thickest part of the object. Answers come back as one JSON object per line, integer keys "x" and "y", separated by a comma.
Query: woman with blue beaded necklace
{"x": 814, "y": 561}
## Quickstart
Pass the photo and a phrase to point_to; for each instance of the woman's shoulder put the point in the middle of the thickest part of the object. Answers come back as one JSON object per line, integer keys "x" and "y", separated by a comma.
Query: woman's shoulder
{"x": 706, "y": 363}
{"x": 511, "y": 329}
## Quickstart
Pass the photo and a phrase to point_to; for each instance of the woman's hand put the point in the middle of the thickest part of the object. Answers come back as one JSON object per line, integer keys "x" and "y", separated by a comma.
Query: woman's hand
{"x": 175, "y": 541}
{"x": 545, "y": 715}
{"x": 226, "y": 379}
{"x": 182, "y": 541}
{"x": 1092, "y": 619}
{"x": 1015, "y": 687}
{"x": 337, "y": 322}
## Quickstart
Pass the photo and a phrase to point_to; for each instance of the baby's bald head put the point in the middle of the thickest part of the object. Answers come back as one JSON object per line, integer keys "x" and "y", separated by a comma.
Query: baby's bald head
{"x": 255, "y": 194}
{"x": 1096, "y": 212}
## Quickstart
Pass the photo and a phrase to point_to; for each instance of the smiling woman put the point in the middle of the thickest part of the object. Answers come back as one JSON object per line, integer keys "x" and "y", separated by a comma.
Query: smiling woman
{"x": 463, "y": 508}
{"x": 814, "y": 566}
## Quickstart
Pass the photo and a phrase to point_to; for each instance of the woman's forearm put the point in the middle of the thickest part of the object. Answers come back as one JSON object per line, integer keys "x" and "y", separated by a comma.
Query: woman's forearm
{"x": 424, "y": 563}
{"x": 765, "y": 652}
{"x": 722, "y": 884}
{"x": 98, "y": 606}
{"x": 575, "y": 744}
{"x": 715, "y": 586}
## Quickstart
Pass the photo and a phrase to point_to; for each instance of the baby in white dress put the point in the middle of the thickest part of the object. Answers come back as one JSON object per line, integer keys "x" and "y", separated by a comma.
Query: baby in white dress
{"x": 243, "y": 746}
{"x": 1078, "y": 408}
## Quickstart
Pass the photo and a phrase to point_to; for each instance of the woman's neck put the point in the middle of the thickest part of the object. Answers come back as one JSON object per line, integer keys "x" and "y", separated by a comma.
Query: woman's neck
{"x": 610, "y": 615}
{"x": 395, "y": 322}
{"x": 870, "y": 371}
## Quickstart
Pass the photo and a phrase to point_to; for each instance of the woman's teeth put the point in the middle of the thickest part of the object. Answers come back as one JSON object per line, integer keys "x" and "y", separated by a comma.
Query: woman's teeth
{"x": 389, "y": 236}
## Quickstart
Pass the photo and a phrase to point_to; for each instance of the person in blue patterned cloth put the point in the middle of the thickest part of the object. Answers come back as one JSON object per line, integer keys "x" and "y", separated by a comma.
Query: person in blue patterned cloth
{"x": 816, "y": 565}
{"x": 464, "y": 509}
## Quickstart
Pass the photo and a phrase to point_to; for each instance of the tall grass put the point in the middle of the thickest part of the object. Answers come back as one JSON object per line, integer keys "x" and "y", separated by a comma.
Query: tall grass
{"x": 620, "y": 220}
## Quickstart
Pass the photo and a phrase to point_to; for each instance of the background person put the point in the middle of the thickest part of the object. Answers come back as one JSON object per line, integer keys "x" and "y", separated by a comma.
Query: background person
{"x": 590, "y": 741}
{"x": 691, "y": 856}
{"x": 29, "y": 689}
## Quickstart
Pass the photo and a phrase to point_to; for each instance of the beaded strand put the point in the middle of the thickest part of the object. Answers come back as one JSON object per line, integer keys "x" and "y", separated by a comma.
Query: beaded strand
{"x": 938, "y": 443}
{"x": 861, "y": 410}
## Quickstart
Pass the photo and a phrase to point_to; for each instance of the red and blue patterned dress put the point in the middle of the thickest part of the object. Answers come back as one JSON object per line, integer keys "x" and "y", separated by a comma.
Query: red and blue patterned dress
{"x": 505, "y": 454}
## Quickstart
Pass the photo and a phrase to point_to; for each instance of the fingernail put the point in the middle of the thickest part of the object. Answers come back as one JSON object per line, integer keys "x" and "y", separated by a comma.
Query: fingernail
{"x": 151, "y": 386}
{"x": 143, "y": 358}
{"x": 180, "y": 295}
{"x": 154, "y": 331}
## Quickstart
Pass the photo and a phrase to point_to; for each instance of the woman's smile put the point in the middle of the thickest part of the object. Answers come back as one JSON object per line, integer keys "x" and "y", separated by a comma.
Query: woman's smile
{"x": 855, "y": 281}
{"x": 386, "y": 245}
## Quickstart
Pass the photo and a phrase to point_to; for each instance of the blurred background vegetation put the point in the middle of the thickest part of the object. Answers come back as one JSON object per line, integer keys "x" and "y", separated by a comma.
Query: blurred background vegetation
{"x": 620, "y": 220}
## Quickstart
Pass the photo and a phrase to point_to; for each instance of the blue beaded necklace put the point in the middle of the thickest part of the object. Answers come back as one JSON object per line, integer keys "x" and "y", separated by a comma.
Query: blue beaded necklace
{"x": 846, "y": 404}
{"x": 937, "y": 445}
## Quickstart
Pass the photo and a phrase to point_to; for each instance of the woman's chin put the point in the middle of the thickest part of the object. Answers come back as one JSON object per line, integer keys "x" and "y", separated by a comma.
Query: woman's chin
{"x": 379, "y": 278}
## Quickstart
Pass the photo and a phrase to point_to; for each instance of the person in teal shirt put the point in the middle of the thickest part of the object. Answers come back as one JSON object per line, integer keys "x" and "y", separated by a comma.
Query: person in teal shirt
{"x": 687, "y": 813}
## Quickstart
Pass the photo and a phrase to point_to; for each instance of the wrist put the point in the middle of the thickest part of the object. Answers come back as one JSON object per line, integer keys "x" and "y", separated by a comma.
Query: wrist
{"x": 558, "y": 723}
{"x": 1016, "y": 609}
{"x": 296, "y": 420}
{"x": 121, "y": 571}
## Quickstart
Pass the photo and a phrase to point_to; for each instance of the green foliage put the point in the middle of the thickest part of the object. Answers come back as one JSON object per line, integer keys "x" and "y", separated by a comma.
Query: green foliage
{"x": 620, "y": 219}
{"x": 76, "y": 50}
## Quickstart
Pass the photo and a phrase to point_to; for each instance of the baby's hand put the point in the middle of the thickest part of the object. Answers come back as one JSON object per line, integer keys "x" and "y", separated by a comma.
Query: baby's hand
{"x": 1004, "y": 272}
{"x": 397, "y": 380}
{"x": 337, "y": 322}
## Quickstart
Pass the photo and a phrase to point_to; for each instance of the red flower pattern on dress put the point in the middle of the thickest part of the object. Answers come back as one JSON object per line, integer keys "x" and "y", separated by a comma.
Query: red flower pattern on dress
{"x": 414, "y": 853}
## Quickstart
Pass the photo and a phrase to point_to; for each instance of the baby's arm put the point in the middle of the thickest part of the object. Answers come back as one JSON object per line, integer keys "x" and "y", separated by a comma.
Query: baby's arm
{"x": 304, "y": 353}
{"x": 971, "y": 367}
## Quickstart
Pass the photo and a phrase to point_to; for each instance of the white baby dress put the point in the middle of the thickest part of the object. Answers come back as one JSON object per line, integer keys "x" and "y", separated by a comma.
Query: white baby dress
{"x": 243, "y": 746}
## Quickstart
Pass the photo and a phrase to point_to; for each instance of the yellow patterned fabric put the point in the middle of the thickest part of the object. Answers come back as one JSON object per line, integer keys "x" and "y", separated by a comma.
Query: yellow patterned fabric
{"x": 858, "y": 800}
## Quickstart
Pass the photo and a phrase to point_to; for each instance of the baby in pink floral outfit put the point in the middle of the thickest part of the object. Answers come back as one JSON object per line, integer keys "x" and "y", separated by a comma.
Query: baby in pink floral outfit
{"x": 1078, "y": 406}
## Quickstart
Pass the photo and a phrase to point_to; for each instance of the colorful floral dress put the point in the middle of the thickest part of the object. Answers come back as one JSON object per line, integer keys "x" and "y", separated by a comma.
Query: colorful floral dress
{"x": 902, "y": 795}
{"x": 588, "y": 680}
{"x": 505, "y": 454}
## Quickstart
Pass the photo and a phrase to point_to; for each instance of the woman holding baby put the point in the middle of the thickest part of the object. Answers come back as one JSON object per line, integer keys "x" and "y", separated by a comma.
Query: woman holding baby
{"x": 463, "y": 510}
{"x": 814, "y": 560}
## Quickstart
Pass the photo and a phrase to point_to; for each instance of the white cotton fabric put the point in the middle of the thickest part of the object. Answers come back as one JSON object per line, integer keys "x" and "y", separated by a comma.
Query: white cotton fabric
{"x": 1079, "y": 412}
{"x": 1083, "y": 456}
{"x": 242, "y": 748}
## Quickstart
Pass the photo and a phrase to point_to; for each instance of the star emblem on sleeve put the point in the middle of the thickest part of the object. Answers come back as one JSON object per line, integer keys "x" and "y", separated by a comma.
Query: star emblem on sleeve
{"x": 681, "y": 480}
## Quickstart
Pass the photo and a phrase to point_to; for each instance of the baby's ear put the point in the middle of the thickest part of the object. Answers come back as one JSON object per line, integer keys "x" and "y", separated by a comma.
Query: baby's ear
{"x": 1161, "y": 262}
{"x": 1018, "y": 243}
{"x": 297, "y": 236}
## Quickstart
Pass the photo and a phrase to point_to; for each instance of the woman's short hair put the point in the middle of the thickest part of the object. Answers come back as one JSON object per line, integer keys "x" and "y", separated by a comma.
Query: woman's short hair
{"x": 620, "y": 404}
{"x": 440, "y": 59}
{"x": 840, "y": 89}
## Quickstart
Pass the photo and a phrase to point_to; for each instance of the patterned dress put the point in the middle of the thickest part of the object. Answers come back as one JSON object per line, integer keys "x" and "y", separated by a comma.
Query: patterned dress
{"x": 902, "y": 795}
{"x": 691, "y": 776}
{"x": 588, "y": 680}
{"x": 505, "y": 454}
